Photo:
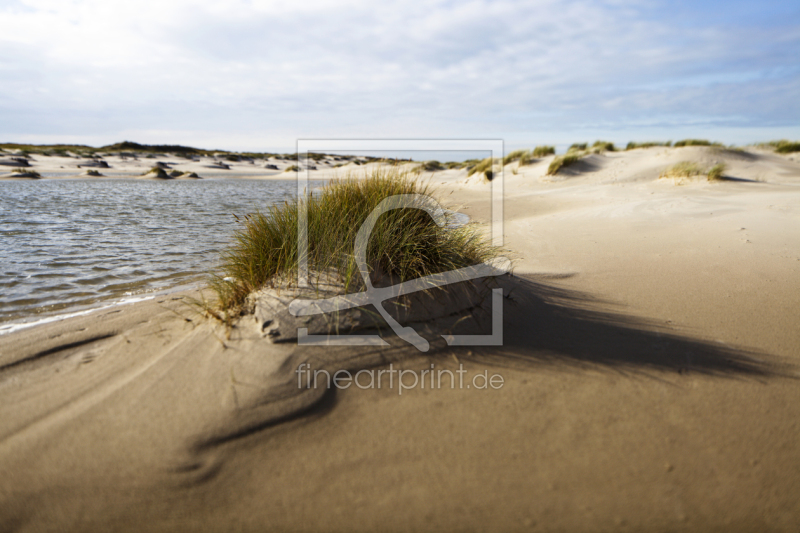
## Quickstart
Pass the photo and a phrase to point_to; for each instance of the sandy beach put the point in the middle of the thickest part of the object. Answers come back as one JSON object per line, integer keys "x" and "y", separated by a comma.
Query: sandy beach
{"x": 651, "y": 343}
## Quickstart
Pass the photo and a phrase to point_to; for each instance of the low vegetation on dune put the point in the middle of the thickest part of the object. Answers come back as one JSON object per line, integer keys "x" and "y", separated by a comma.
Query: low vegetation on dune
{"x": 93, "y": 173}
{"x": 293, "y": 168}
{"x": 563, "y": 161}
{"x": 157, "y": 172}
{"x": 689, "y": 169}
{"x": 484, "y": 166}
{"x": 526, "y": 157}
{"x": 633, "y": 145}
{"x": 543, "y": 151}
{"x": 406, "y": 243}
{"x": 716, "y": 172}
{"x": 684, "y": 169}
{"x": 25, "y": 173}
{"x": 783, "y": 146}
{"x": 603, "y": 146}
{"x": 431, "y": 166}
{"x": 513, "y": 156}
{"x": 576, "y": 152}
{"x": 695, "y": 142}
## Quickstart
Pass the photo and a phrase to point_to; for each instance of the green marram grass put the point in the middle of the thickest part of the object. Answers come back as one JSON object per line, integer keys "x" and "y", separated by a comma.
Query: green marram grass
{"x": 716, "y": 172}
{"x": 690, "y": 169}
{"x": 696, "y": 142}
{"x": 684, "y": 169}
{"x": 577, "y": 147}
{"x": 563, "y": 161}
{"x": 526, "y": 157}
{"x": 603, "y": 146}
{"x": 634, "y": 145}
{"x": 514, "y": 156}
{"x": 431, "y": 166}
{"x": 405, "y": 243}
{"x": 484, "y": 166}
{"x": 784, "y": 147}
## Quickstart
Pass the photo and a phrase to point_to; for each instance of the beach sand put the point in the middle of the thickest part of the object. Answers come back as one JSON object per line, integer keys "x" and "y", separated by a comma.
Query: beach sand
{"x": 649, "y": 364}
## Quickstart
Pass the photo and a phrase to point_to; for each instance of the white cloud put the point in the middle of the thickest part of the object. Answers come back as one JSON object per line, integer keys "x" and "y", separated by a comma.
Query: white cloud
{"x": 275, "y": 70}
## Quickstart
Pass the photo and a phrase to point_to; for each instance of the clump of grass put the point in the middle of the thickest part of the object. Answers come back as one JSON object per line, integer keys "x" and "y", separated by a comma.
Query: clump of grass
{"x": 94, "y": 173}
{"x": 293, "y": 168}
{"x": 563, "y": 161}
{"x": 515, "y": 155}
{"x": 22, "y": 170}
{"x": 633, "y": 146}
{"x": 784, "y": 147}
{"x": 539, "y": 151}
{"x": 603, "y": 146}
{"x": 405, "y": 243}
{"x": 695, "y": 142}
{"x": 715, "y": 173}
{"x": 176, "y": 173}
{"x": 482, "y": 166}
{"x": 158, "y": 171}
{"x": 188, "y": 174}
{"x": 577, "y": 147}
{"x": 431, "y": 166}
{"x": 684, "y": 169}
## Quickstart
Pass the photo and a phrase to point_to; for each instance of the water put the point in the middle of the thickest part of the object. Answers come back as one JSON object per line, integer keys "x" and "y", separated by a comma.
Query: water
{"x": 73, "y": 244}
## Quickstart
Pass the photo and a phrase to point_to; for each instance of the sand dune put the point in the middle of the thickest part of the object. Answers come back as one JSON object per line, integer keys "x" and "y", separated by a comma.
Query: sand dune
{"x": 650, "y": 364}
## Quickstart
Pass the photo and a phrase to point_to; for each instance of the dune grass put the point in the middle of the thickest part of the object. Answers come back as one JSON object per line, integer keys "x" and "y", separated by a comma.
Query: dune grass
{"x": 634, "y": 145}
{"x": 27, "y": 172}
{"x": 526, "y": 157}
{"x": 92, "y": 172}
{"x": 603, "y": 146}
{"x": 483, "y": 166}
{"x": 543, "y": 151}
{"x": 431, "y": 166}
{"x": 716, "y": 172}
{"x": 405, "y": 243}
{"x": 684, "y": 169}
{"x": 563, "y": 161}
{"x": 515, "y": 155}
{"x": 158, "y": 171}
{"x": 293, "y": 168}
{"x": 784, "y": 147}
{"x": 695, "y": 142}
{"x": 577, "y": 147}
{"x": 689, "y": 169}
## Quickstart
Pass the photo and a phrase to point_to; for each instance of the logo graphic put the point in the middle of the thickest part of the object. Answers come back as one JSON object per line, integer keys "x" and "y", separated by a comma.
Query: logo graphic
{"x": 376, "y": 296}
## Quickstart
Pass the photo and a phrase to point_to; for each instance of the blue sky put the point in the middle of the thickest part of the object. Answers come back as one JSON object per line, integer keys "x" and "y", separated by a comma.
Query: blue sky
{"x": 257, "y": 74}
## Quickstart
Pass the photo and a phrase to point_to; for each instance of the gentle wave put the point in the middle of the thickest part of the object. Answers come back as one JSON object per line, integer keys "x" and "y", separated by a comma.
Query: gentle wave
{"x": 68, "y": 244}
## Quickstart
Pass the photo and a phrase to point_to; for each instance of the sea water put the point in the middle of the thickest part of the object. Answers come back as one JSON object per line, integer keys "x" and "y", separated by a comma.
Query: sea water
{"x": 69, "y": 245}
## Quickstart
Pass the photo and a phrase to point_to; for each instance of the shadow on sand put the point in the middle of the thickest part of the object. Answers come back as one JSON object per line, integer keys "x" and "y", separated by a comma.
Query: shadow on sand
{"x": 545, "y": 324}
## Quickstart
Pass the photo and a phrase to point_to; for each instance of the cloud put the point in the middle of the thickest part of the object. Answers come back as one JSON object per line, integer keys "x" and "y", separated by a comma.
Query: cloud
{"x": 432, "y": 68}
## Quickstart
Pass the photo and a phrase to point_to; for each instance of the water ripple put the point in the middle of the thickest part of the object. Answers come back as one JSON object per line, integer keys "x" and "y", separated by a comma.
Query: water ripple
{"x": 71, "y": 243}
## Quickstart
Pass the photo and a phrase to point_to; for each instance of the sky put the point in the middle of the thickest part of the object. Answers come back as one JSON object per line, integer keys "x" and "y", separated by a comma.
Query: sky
{"x": 258, "y": 75}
